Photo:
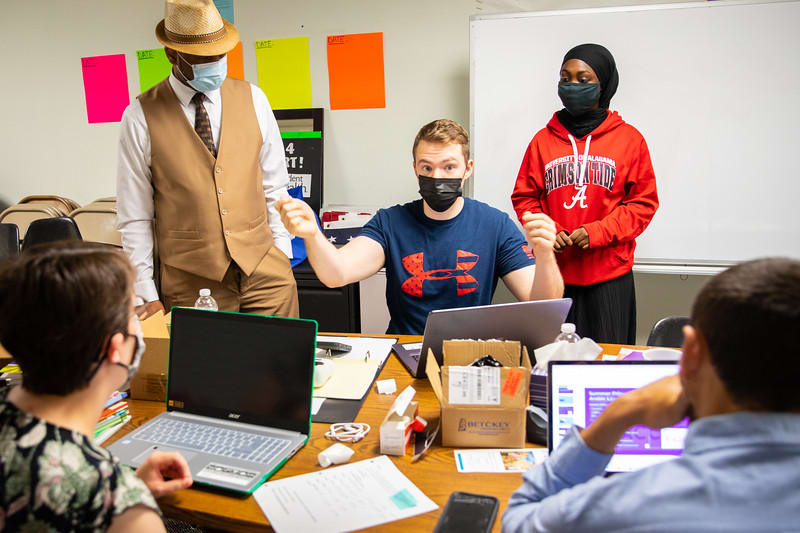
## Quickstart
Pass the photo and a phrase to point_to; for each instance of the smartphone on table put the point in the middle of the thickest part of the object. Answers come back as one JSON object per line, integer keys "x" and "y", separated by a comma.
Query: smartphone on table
{"x": 468, "y": 513}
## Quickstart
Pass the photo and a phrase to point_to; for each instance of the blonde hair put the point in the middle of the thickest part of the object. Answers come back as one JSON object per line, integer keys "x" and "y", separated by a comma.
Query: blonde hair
{"x": 443, "y": 131}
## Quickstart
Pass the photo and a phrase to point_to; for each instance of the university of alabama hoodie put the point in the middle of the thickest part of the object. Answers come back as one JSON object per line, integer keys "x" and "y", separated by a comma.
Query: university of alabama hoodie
{"x": 603, "y": 182}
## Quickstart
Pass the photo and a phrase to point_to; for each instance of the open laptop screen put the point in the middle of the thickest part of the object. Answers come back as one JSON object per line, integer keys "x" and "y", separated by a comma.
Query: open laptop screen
{"x": 579, "y": 391}
{"x": 248, "y": 368}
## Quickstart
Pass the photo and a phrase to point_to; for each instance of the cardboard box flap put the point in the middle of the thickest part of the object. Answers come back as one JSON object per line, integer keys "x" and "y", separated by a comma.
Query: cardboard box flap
{"x": 403, "y": 399}
{"x": 432, "y": 369}
{"x": 464, "y": 352}
{"x": 150, "y": 382}
{"x": 155, "y": 326}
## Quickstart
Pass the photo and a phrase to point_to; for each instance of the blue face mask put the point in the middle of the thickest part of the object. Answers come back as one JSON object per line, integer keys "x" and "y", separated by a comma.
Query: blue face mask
{"x": 207, "y": 76}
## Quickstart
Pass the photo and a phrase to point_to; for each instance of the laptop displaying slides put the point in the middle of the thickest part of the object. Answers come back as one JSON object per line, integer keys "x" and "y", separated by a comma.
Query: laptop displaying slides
{"x": 533, "y": 323}
{"x": 578, "y": 391}
{"x": 238, "y": 397}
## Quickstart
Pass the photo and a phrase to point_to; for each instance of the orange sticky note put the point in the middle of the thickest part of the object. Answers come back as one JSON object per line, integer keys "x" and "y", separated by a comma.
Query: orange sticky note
{"x": 355, "y": 71}
{"x": 235, "y": 63}
{"x": 512, "y": 381}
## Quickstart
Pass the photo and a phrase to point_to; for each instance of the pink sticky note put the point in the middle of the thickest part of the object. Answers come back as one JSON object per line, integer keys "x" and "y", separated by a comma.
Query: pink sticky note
{"x": 105, "y": 83}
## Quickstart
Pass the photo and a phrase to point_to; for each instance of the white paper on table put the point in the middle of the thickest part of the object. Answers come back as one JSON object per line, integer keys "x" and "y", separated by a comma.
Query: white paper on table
{"x": 378, "y": 347}
{"x": 344, "y": 498}
{"x": 316, "y": 403}
{"x": 609, "y": 357}
{"x": 499, "y": 461}
{"x": 386, "y": 386}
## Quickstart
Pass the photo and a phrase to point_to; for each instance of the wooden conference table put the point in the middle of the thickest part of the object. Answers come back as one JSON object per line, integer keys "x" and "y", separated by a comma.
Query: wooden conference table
{"x": 435, "y": 473}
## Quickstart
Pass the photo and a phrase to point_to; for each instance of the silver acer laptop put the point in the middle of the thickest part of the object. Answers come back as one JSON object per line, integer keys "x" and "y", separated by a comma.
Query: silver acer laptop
{"x": 533, "y": 323}
{"x": 238, "y": 397}
{"x": 578, "y": 391}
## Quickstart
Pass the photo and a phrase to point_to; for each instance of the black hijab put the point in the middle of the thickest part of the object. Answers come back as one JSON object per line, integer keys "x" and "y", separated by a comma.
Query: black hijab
{"x": 603, "y": 64}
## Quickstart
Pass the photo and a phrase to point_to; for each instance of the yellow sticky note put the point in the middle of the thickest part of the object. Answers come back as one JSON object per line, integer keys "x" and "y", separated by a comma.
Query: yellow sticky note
{"x": 284, "y": 72}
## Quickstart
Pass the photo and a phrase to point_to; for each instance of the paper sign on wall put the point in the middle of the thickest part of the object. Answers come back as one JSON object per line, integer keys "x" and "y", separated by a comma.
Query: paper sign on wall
{"x": 153, "y": 67}
{"x": 355, "y": 71}
{"x": 303, "y": 159}
{"x": 235, "y": 63}
{"x": 284, "y": 72}
{"x": 225, "y": 8}
{"x": 105, "y": 84}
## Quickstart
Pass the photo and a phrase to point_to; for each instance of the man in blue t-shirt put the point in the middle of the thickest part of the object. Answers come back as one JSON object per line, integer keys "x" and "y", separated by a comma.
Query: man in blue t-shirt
{"x": 442, "y": 251}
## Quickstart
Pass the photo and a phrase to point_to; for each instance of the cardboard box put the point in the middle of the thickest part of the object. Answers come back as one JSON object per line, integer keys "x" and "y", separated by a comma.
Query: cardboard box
{"x": 396, "y": 426}
{"x": 498, "y": 420}
{"x": 150, "y": 382}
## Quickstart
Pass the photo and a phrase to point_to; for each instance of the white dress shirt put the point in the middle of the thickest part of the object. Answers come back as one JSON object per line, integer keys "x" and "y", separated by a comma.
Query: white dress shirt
{"x": 135, "y": 208}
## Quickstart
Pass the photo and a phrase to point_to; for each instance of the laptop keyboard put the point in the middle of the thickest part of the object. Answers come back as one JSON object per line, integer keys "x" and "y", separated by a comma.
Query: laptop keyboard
{"x": 214, "y": 440}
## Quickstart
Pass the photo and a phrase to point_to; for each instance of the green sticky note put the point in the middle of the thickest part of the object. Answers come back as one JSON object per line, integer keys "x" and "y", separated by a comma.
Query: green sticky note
{"x": 153, "y": 67}
{"x": 301, "y": 135}
{"x": 404, "y": 500}
{"x": 284, "y": 72}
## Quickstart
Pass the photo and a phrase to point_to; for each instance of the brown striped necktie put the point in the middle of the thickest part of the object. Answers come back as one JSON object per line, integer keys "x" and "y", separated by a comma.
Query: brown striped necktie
{"x": 202, "y": 125}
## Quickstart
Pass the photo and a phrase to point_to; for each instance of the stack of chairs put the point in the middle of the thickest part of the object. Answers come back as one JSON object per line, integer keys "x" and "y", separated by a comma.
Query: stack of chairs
{"x": 36, "y": 207}
{"x": 97, "y": 221}
{"x": 43, "y": 218}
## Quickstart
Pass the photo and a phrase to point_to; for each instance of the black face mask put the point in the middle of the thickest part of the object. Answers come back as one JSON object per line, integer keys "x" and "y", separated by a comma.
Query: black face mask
{"x": 439, "y": 193}
{"x": 578, "y": 98}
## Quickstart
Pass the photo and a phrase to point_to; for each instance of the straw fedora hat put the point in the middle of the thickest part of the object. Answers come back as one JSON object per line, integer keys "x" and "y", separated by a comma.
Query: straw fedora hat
{"x": 196, "y": 27}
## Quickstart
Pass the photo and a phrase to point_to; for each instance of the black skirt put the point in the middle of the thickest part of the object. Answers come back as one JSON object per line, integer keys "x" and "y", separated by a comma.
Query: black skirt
{"x": 606, "y": 311}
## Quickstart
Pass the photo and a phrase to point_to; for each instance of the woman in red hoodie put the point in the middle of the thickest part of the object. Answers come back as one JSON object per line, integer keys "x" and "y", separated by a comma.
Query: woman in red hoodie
{"x": 591, "y": 173}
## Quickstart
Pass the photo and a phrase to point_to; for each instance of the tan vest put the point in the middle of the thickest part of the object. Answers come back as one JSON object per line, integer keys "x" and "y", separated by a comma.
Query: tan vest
{"x": 207, "y": 211}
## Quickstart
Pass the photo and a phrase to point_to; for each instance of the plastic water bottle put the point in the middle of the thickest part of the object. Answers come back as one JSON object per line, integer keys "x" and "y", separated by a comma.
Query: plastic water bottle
{"x": 205, "y": 301}
{"x": 568, "y": 333}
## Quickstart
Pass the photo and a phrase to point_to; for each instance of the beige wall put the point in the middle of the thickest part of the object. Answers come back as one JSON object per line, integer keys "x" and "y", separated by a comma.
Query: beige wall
{"x": 47, "y": 147}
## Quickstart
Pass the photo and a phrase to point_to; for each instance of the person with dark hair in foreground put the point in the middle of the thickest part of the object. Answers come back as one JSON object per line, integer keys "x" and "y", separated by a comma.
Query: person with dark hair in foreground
{"x": 740, "y": 468}
{"x": 67, "y": 317}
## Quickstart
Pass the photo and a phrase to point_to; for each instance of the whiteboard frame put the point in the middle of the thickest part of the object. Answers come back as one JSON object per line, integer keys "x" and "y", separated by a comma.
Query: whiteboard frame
{"x": 647, "y": 265}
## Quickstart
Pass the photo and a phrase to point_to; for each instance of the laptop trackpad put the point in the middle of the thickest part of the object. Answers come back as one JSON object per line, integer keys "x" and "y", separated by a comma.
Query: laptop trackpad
{"x": 139, "y": 459}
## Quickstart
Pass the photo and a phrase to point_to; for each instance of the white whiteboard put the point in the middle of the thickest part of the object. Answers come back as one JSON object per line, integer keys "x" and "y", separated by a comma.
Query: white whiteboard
{"x": 714, "y": 87}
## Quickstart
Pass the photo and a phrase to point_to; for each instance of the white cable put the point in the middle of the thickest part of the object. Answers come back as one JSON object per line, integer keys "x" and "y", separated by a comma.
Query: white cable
{"x": 348, "y": 431}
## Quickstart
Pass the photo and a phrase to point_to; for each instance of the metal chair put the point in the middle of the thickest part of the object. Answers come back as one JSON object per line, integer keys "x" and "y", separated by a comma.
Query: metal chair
{"x": 50, "y": 230}
{"x": 668, "y": 332}
{"x": 9, "y": 241}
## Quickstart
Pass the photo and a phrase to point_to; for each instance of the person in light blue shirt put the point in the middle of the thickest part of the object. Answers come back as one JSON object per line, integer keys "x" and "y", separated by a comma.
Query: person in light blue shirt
{"x": 740, "y": 469}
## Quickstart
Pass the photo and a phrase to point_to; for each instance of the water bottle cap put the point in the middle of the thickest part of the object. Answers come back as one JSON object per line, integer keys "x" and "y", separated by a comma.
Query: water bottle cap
{"x": 205, "y": 292}
{"x": 567, "y": 328}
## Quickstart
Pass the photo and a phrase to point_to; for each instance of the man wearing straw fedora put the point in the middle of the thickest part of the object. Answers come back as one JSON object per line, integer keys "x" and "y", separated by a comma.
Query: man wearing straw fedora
{"x": 197, "y": 187}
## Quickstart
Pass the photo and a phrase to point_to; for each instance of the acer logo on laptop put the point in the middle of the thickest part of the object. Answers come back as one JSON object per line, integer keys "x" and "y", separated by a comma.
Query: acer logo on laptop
{"x": 235, "y": 416}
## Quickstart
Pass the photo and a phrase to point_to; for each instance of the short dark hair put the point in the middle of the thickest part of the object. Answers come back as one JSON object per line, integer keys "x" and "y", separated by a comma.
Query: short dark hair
{"x": 60, "y": 303}
{"x": 749, "y": 315}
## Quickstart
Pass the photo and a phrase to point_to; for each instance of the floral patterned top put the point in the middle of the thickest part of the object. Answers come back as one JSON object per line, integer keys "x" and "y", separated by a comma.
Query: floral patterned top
{"x": 57, "y": 479}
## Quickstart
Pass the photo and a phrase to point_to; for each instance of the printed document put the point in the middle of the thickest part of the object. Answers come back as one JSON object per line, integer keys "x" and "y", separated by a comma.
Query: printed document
{"x": 344, "y": 498}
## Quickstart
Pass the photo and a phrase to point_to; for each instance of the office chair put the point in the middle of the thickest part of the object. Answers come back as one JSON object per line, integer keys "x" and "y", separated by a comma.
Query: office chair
{"x": 9, "y": 241}
{"x": 50, "y": 230}
{"x": 668, "y": 332}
